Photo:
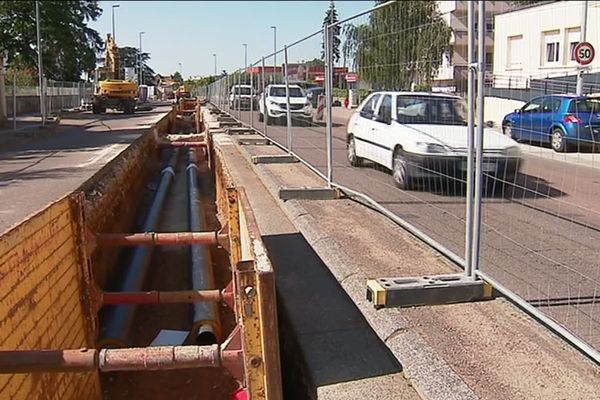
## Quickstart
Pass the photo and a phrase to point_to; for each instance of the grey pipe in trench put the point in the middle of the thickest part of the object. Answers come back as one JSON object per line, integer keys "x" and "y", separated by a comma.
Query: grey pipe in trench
{"x": 206, "y": 327}
{"x": 120, "y": 320}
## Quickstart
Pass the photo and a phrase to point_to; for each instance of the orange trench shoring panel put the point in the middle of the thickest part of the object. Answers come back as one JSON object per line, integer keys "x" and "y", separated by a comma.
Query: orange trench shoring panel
{"x": 49, "y": 301}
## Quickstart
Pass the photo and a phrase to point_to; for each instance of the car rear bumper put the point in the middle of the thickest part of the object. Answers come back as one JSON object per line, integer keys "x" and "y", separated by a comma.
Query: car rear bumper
{"x": 455, "y": 167}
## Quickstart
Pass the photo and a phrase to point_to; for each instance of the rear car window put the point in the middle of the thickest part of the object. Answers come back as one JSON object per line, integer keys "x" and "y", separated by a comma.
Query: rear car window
{"x": 584, "y": 106}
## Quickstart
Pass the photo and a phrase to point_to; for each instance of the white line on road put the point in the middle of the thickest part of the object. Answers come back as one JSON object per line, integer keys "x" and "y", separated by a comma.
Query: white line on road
{"x": 107, "y": 151}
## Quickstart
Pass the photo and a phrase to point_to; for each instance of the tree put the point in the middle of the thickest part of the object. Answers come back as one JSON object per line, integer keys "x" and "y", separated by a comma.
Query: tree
{"x": 69, "y": 46}
{"x": 177, "y": 77}
{"x": 401, "y": 45}
{"x": 331, "y": 17}
{"x": 129, "y": 57}
{"x": 315, "y": 62}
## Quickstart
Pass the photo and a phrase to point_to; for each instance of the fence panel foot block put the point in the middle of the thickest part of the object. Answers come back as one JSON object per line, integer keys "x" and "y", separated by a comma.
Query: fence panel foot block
{"x": 309, "y": 193}
{"x": 274, "y": 159}
{"x": 426, "y": 290}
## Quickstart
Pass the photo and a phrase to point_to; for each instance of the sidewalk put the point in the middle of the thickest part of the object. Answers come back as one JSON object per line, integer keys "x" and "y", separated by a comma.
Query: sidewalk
{"x": 485, "y": 350}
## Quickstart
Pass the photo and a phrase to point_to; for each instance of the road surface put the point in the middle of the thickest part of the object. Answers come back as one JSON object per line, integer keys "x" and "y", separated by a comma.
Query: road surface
{"x": 36, "y": 171}
{"x": 540, "y": 235}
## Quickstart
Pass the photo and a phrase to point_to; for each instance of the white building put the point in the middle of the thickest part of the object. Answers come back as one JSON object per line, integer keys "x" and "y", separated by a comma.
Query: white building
{"x": 452, "y": 75}
{"x": 538, "y": 42}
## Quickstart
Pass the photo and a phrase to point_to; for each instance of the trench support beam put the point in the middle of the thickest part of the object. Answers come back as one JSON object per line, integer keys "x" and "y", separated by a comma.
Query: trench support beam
{"x": 160, "y": 239}
{"x": 181, "y": 144}
{"x": 172, "y": 297}
{"x": 158, "y": 358}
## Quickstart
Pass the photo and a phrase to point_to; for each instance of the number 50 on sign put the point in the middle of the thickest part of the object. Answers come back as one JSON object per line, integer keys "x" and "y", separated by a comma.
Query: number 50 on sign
{"x": 584, "y": 53}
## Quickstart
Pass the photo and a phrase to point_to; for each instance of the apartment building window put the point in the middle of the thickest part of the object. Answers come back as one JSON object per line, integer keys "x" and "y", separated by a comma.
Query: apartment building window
{"x": 573, "y": 38}
{"x": 552, "y": 47}
{"x": 515, "y": 51}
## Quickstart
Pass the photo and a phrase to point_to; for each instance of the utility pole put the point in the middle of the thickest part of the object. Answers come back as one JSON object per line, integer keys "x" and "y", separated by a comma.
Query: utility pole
{"x": 215, "y": 56}
{"x": 3, "y": 112}
{"x": 113, "y": 21}
{"x": 274, "y": 53}
{"x": 583, "y": 35}
{"x": 140, "y": 73}
{"x": 40, "y": 65}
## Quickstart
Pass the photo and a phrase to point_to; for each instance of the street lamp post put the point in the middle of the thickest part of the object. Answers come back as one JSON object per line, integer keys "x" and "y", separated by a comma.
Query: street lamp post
{"x": 140, "y": 73}
{"x": 274, "y": 52}
{"x": 215, "y": 56}
{"x": 40, "y": 66}
{"x": 113, "y": 21}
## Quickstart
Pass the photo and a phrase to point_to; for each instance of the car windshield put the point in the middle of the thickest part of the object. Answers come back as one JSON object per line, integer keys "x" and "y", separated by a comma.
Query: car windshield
{"x": 430, "y": 110}
{"x": 280, "y": 92}
{"x": 243, "y": 90}
{"x": 585, "y": 106}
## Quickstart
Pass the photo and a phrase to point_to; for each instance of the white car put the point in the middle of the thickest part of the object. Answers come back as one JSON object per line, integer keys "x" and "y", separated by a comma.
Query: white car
{"x": 276, "y": 104}
{"x": 423, "y": 135}
{"x": 241, "y": 96}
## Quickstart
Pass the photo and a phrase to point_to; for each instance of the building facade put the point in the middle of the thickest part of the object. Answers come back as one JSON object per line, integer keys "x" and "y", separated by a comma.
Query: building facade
{"x": 537, "y": 43}
{"x": 452, "y": 74}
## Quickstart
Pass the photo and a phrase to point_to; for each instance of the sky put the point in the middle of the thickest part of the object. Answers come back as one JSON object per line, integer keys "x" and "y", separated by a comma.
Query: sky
{"x": 190, "y": 32}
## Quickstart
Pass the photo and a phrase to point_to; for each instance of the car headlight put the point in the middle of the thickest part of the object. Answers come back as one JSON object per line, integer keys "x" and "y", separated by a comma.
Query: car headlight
{"x": 273, "y": 103}
{"x": 512, "y": 151}
{"x": 433, "y": 148}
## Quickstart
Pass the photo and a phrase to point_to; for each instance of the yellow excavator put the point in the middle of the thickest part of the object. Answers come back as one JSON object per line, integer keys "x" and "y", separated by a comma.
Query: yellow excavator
{"x": 112, "y": 92}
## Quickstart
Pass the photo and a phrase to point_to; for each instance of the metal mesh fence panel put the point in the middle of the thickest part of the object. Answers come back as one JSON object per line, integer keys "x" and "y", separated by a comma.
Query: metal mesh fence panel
{"x": 541, "y": 227}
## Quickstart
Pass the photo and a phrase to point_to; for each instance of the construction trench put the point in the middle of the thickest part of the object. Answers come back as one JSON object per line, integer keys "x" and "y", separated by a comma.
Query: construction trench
{"x": 171, "y": 292}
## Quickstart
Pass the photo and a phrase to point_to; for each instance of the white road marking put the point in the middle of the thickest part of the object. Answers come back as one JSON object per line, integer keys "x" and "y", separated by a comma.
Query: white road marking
{"x": 103, "y": 153}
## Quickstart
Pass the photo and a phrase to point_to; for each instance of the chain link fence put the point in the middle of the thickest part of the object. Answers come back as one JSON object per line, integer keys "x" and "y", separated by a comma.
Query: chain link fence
{"x": 508, "y": 195}
{"x": 59, "y": 95}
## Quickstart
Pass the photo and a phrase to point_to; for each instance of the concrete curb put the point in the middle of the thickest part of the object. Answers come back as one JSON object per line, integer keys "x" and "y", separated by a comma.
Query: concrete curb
{"x": 431, "y": 376}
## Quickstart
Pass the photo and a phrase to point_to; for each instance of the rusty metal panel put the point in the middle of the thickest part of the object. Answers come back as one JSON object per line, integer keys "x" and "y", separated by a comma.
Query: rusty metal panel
{"x": 44, "y": 280}
{"x": 254, "y": 287}
{"x": 266, "y": 300}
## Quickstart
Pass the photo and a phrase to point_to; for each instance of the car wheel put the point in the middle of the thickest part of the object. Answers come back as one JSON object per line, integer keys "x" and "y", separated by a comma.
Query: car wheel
{"x": 558, "y": 141}
{"x": 261, "y": 117}
{"x": 400, "y": 171}
{"x": 353, "y": 159}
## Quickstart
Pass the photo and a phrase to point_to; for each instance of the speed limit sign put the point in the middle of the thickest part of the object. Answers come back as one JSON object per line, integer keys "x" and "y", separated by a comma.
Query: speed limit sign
{"x": 584, "y": 53}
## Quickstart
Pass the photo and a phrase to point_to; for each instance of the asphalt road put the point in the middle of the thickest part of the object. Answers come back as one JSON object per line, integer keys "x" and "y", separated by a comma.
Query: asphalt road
{"x": 540, "y": 234}
{"x": 36, "y": 171}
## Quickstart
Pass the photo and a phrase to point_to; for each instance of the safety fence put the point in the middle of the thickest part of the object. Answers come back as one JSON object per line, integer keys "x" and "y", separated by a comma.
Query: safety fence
{"x": 59, "y": 95}
{"x": 512, "y": 202}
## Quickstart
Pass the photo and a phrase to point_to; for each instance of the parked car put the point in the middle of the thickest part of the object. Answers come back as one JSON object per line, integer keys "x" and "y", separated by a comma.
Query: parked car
{"x": 240, "y": 97}
{"x": 563, "y": 121}
{"x": 423, "y": 135}
{"x": 276, "y": 104}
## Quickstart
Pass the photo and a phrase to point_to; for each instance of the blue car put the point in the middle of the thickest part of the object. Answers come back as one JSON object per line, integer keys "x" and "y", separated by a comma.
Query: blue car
{"x": 563, "y": 121}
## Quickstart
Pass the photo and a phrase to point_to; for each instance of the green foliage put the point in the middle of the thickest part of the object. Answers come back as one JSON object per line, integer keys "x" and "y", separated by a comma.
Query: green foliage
{"x": 69, "y": 46}
{"x": 177, "y": 77}
{"x": 194, "y": 84}
{"x": 129, "y": 57}
{"x": 331, "y": 17}
{"x": 401, "y": 44}
{"x": 315, "y": 62}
